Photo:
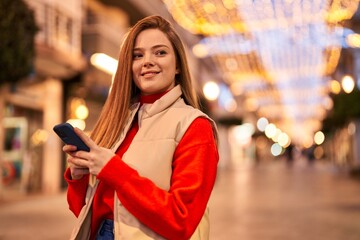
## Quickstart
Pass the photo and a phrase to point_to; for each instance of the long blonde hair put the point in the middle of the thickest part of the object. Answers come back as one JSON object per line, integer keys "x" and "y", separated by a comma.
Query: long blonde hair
{"x": 116, "y": 108}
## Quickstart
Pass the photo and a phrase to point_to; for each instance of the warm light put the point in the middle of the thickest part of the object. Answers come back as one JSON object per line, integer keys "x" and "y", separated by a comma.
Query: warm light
{"x": 319, "y": 137}
{"x": 277, "y": 134}
{"x": 78, "y": 108}
{"x": 211, "y": 90}
{"x": 262, "y": 123}
{"x": 284, "y": 140}
{"x": 82, "y": 112}
{"x": 335, "y": 87}
{"x": 348, "y": 84}
{"x": 276, "y": 149}
{"x": 200, "y": 51}
{"x": 270, "y": 130}
{"x": 77, "y": 123}
{"x": 353, "y": 40}
{"x": 39, "y": 137}
{"x": 104, "y": 63}
{"x": 276, "y": 55}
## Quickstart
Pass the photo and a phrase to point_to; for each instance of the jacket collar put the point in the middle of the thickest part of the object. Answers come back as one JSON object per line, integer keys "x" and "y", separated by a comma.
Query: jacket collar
{"x": 149, "y": 110}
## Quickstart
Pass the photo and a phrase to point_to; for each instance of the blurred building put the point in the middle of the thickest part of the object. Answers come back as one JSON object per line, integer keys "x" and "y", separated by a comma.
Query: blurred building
{"x": 70, "y": 83}
{"x": 67, "y": 85}
{"x": 342, "y": 147}
{"x": 32, "y": 160}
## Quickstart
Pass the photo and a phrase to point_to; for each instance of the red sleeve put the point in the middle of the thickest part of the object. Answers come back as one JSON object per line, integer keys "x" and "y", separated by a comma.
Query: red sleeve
{"x": 174, "y": 214}
{"x": 76, "y": 192}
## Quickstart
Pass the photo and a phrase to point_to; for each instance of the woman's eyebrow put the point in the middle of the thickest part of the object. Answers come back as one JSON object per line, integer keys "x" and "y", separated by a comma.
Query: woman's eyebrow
{"x": 153, "y": 47}
{"x": 159, "y": 46}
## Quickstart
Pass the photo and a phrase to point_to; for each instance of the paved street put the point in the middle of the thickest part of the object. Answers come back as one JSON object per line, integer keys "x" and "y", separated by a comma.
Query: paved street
{"x": 37, "y": 217}
{"x": 276, "y": 202}
{"x": 266, "y": 202}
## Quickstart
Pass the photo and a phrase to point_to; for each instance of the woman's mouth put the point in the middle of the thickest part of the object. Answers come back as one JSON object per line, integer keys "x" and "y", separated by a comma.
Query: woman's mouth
{"x": 149, "y": 74}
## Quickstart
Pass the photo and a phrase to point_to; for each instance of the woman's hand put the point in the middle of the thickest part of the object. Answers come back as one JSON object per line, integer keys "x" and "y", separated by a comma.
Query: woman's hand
{"x": 82, "y": 162}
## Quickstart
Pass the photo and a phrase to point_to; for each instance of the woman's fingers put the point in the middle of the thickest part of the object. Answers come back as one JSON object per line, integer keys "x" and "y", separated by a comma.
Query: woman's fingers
{"x": 69, "y": 148}
{"x": 87, "y": 140}
{"x": 78, "y": 162}
{"x": 94, "y": 160}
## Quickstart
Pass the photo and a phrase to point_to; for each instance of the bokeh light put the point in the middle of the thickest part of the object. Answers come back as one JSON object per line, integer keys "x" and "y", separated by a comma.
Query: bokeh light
{"x": 348, "y": 84}
{"x": 262, "y": 123}
{"x": 270, "y": 130}
{"x": 319, "y": 137}
{"x": 276, "y": 149}
{"x": 211, "y": 90}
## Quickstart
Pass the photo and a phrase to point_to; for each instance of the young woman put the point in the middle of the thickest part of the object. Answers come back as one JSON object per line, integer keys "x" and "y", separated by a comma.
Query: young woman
{"x": 153, "y": 154}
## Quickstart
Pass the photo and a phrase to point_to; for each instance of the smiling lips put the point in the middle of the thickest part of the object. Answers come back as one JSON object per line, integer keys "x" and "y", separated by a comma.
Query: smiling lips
{"x": 149, "y": 73}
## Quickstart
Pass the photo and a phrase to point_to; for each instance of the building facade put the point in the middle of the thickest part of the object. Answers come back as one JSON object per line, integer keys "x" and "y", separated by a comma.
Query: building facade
{"x": 32, "y": 159}
{"x": 64, "y": 79}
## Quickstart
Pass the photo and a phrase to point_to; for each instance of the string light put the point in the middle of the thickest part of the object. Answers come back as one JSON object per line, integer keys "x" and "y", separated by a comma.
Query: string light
{"x": 348, "y": 84}
{"x": 335, "y": 87}
{"x": 277, "y": 54}
{"x": 104, "y": 62}
{"x": 319, "y": 137}
{"x": 211, "y": 90}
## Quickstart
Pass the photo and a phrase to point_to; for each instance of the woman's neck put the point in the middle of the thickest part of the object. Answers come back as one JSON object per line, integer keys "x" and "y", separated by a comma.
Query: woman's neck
{"x": 152, "y": 97}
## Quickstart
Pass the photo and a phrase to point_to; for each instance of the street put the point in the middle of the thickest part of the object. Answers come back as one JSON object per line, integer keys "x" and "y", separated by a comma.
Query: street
{"x": 270, "y": 201}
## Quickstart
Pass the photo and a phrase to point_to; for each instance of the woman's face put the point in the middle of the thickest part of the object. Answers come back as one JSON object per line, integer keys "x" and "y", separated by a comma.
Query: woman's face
{"x": 154, "y": 62}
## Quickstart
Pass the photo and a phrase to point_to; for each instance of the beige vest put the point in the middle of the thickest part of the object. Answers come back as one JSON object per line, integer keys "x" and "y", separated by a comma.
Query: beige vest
{"x": 161, "y": 127}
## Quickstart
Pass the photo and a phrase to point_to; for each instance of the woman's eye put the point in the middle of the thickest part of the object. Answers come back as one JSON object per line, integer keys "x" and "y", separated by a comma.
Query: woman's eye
{"x": 161, "y": 52}
{"x": 137, "y": 55}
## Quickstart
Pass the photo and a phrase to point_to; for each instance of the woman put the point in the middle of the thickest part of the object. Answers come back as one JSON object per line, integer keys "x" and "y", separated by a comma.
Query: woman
{"x": 153, "y": 154}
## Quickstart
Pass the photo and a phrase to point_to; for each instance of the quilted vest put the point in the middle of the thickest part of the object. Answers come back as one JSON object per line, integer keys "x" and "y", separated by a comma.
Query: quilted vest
{"x": 161, "y": 127}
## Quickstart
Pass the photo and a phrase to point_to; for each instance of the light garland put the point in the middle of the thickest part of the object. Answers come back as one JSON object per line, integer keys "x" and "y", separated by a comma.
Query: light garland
{"x": 278, "y": 53}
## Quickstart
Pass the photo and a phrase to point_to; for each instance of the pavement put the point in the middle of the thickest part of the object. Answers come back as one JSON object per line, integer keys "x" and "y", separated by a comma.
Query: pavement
{"x": 41, "y": 217}
{"x": 269, "y": 201}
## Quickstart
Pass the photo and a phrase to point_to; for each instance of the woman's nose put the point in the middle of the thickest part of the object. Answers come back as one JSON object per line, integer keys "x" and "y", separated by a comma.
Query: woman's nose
{"x": 148, "y": 61}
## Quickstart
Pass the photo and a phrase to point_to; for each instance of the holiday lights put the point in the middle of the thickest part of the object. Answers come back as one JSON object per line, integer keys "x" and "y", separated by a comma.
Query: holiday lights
{"x": 278, "y": 53}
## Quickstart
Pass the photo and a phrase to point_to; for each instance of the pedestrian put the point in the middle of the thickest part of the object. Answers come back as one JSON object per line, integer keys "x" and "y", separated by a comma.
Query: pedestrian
{"x": 153, "y": 154}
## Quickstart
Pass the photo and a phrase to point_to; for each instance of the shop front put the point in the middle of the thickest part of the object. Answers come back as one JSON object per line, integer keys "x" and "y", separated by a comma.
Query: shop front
{"x": 31, "y": 159}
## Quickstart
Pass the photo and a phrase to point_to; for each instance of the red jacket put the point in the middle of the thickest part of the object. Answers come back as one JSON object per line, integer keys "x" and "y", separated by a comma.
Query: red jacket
{"x": 194, "y": 172}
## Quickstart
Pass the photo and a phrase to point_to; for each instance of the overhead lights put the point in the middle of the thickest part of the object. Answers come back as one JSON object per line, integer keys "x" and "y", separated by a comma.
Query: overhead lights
{"x": 353, "y": 40}
{"x": 211, "y": 90}
{"x": 268, "y": 49}
{"x": 104, "y": 63}
{"x": 348, "y": 83}
{"x": 319, "y": 137}
{"x": 335, "y": 86}
{"x": 262, "y": 123}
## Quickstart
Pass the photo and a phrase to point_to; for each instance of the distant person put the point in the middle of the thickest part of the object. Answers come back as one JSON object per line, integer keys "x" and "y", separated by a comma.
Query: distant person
{"x": 290, "y": 154}
{"x": 311, "y": 155}
{"x": 153, "y": 154}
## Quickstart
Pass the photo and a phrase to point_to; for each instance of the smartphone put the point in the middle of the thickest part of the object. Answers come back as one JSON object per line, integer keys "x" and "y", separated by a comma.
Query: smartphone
{"x": 66, "y": 132}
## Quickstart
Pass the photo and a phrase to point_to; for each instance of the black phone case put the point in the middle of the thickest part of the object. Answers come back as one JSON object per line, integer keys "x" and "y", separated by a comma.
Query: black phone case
{"x": 66, "y": 132}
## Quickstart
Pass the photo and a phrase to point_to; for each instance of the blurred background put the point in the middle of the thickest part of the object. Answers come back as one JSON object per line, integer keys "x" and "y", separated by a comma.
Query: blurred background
{"x": 280, "y": 77}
